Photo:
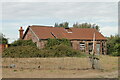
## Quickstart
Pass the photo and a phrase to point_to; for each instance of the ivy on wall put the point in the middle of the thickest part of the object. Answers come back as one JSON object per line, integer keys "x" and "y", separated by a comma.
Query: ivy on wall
{"x": 53, "y": 42}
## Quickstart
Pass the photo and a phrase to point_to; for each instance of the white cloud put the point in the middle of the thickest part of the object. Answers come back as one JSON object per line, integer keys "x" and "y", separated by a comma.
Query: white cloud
{"x": 109, "y": 30}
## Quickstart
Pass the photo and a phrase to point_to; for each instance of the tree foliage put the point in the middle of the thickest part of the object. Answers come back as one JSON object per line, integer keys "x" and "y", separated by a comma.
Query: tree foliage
{"x": 77, "y": 25}
{"x": 86, "y": 25}
{"x": 113, "y": 45}
{"x": 3, "y": 40}
{"x": 64, "y": 24}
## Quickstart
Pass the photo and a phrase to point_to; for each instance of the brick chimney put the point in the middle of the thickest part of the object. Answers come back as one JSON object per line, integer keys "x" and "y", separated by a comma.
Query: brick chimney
{"x": 21, "y": 32}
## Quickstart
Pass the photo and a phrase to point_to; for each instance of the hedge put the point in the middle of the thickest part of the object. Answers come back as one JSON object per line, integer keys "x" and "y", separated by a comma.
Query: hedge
{"x": 54, "y": 48}
{"x": 30, "y": 51}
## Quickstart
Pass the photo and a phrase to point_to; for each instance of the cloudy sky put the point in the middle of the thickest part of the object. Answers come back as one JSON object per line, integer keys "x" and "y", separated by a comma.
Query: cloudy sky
{"x": 16, "y": 14}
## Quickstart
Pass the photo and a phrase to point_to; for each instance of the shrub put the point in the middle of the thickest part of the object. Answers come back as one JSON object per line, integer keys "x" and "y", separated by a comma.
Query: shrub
{"x": 23, "y": 43}
{"x": 63, "y": 50}
{"x": 113, "y": 45}
{"x": 59, "y": 51}
{"x": 20, "y": 51}
{"x": 116, "y": 52}
{"x": 54, "y": 48}
{"x": 53, "y": 42}
{"x": 31, "y": 51}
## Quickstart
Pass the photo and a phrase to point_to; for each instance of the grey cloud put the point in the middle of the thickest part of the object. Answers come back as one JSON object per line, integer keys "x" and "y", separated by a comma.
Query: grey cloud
{"x": 59, "y": 10}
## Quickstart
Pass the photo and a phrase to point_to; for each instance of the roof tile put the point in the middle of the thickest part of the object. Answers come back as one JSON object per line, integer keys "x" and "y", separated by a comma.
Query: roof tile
{"x": 44, "y": 32}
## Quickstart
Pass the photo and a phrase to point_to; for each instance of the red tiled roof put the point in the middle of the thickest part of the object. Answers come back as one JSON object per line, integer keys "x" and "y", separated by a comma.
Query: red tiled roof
{"x": 45, "y": 32}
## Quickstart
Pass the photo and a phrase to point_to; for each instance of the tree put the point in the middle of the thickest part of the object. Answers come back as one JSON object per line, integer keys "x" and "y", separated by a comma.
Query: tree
{"x": 56, "y": 25}
{"x": 64, "y": 24}
{"x": 3, "y": 40}
{"x": 86, "y": 25}
{"x": 113, "y": 45}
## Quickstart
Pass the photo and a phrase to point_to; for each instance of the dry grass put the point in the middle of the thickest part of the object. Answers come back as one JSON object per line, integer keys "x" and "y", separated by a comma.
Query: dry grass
{"x": 59, "y": 67}
{"x": 48, "y": 63}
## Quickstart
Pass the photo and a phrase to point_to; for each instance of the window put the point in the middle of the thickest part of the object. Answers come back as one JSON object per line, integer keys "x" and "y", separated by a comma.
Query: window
{"x": 90, "y": 46}
{"x": 82, "y": 46}
{"x": 68, "y": 30}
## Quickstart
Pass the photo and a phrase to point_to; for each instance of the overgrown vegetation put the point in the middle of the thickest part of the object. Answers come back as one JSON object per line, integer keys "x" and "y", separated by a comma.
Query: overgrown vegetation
{"x": 3, "y": 40}
{"x": 23, "y": 43}
{"x": 113, "y": 45}
{"x": 60, "y": 51}
{"x": 20, "y": 51}
{"x": 53, "y": 42}
{"x": 54, "y": 48}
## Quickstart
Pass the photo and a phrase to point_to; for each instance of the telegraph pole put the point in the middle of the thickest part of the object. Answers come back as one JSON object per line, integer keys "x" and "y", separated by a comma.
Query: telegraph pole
{"x": 93, "y": 52}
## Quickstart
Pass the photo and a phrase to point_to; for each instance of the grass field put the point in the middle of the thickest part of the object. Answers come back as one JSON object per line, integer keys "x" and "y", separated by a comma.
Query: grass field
{"x": 68, "y": 67}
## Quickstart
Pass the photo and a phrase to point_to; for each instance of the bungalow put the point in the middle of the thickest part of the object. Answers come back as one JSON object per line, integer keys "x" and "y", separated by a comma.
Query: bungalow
{"x": 81, "y": 38}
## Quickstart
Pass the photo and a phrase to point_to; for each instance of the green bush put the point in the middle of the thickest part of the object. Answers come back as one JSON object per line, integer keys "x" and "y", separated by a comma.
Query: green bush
{"x": 31, "y": 51}
{"x": 20, "y": 51}
{"x": 59, "y": 51}
{"x": 113, "y": 45}
{"x": 23, "y": 43}
{"x": 116, "y": 52}
{"x": 54, "y": 48}
{"x": 63, "y": 50}
{"x": 53, "y": 42}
